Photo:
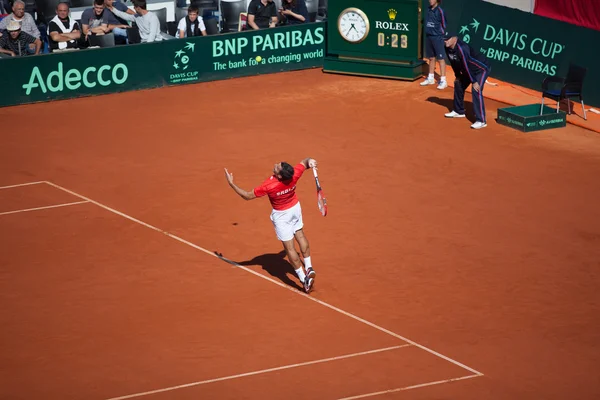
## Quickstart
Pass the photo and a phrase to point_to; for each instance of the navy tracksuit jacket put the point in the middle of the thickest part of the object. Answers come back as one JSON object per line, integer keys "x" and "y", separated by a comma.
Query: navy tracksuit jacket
{"x": 469, "y": 66}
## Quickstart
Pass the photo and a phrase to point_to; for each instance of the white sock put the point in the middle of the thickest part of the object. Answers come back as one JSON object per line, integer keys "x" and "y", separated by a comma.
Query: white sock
{"x": 307, "y": 263}
{"x": 431, "y": 77}
{"x": 443, "y": 79}
{"x": 301, "y": 275}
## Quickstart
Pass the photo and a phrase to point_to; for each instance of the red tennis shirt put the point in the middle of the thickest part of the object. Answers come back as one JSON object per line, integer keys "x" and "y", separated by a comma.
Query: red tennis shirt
{"x": 282, "y": 195}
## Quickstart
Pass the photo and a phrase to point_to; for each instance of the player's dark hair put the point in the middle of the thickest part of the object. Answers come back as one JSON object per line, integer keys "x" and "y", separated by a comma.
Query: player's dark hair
{"x": 193, "y": 8}
{"x": 98, "y": 2}
{"x": 140, "y": 3}
{"x": 287, "y": 171}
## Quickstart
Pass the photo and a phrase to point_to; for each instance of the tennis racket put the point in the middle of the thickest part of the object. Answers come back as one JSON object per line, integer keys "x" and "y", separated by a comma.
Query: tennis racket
{"x": 321, "y": 201}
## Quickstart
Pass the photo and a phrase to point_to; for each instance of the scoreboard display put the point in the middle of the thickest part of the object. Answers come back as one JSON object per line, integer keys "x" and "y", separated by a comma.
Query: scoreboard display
{"x": 375, "y": 38}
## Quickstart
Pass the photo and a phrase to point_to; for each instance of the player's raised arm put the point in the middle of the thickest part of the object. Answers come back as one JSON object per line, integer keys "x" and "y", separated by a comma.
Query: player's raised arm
{"x": 243, "y": 193}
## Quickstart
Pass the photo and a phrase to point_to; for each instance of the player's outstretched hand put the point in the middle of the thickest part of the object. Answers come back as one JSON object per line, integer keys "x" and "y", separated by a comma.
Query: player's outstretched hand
{"x": 228, "y": 176}
{"x": 312, "y": 163}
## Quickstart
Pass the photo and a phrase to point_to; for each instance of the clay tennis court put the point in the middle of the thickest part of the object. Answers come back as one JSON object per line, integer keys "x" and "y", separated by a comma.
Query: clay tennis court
{"x": 453, "y": 263}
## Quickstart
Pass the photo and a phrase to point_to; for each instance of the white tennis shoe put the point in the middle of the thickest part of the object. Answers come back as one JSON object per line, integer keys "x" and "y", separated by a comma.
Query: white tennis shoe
{"x": 454, "y": 114}
{"x": 427, "y": 82}
{"x": 308, "y": 284}
{"x": 442, "y": 85}
{"x": 478, "y": 125}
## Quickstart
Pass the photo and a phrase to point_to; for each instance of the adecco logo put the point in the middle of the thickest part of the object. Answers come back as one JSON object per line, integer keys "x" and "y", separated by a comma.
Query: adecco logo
{"x": 73, "y": 79}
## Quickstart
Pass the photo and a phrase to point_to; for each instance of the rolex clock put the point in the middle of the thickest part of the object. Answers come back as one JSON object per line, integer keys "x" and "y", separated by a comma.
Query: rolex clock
{"x": 353, "y": 25}
{"x": 380, "y": 38}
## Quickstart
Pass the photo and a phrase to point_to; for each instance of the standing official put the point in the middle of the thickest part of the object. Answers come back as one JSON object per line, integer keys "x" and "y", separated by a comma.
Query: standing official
{"x": 435, "y": 26}
{"x": 470, "y": 67}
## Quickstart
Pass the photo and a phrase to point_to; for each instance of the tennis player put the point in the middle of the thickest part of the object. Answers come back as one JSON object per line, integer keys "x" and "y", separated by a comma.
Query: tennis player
{"x": 286, "y": 214}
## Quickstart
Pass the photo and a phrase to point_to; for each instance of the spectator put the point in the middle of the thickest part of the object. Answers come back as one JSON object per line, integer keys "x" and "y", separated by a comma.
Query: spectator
{"x": 25, "y": 20}
{"x": 192, "y": 25}
{"x": 63, "y": 31}
{"x": 262, "y": 14}
{"x": 147, "y": 22}
{"x": 117, "y": 25}
{"x": 94, "y": 21}
{"x": 16, "y": 42}
{"x": 293, "y": 12}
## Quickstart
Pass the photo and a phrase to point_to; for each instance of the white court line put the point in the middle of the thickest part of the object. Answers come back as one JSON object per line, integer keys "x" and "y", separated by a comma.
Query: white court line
{"x": 22, "y": 184}
{"x": 262, "y": 371}
{"x": 43, "y": 208}
{"x": 339, "y": 310}
{"x": 421, "y": 385}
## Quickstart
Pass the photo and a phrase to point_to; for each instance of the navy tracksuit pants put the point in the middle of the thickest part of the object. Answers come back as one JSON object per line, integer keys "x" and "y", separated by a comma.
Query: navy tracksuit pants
{"x": 459, "y": 96}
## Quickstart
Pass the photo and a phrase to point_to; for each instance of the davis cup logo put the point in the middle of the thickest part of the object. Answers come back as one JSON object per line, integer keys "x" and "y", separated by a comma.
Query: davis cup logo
{"x": 182, "y": 58}
{"x": 181, "y": 64}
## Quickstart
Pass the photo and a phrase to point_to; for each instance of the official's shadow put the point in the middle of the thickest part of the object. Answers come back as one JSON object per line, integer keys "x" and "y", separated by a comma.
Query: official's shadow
{"x": 277, "y": 266}
{"x": 449, "y": 104}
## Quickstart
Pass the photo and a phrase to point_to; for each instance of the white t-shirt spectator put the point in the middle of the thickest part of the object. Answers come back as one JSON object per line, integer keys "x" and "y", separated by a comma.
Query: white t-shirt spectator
{"x": 183, "y": 27}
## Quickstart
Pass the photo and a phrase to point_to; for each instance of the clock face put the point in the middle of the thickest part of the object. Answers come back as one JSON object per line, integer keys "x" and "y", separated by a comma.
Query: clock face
{"x": 353, "y": 25}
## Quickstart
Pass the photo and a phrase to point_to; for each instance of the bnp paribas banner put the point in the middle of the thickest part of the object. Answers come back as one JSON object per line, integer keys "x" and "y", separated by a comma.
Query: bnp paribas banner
{"x": 172, "y": 62}
{"x": 524, "y": 48}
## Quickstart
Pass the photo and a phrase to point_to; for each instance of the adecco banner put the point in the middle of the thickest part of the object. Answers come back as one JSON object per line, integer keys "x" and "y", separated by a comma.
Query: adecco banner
{"x": 172, "y": 62}
{"x": 524, "y": 48}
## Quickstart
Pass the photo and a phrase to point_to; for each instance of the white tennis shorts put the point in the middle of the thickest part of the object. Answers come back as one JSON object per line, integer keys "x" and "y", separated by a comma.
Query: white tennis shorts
{"x": 287, "y": 222}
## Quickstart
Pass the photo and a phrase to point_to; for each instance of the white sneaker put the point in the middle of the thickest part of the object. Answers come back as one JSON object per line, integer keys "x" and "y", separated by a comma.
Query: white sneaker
{"x": 454, "y": 114}
{"x": 478, "y": 125}
{"x": 442, "y": 85}
{"x": 428, "y": 82}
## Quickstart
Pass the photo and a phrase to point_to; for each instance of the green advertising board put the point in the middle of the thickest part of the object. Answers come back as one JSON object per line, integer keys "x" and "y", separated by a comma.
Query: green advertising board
{"x": 524, "y": 48}
{"x": 374, "y": 38}
{"x": 528, "y": 118}
{"x": 171, "y": 62}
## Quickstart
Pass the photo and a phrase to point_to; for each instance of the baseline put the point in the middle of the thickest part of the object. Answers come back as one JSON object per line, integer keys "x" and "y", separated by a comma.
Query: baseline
{"x": 22, "y": 184}
{"x": 44, "y": 207}
{"x": 263, "y": 371}
{"x": 402, "y": 389}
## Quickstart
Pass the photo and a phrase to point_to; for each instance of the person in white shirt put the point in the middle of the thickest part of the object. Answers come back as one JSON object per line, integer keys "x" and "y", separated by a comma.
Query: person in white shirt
{"x": 192, "y": 25}
{"x": 147, "y": 22}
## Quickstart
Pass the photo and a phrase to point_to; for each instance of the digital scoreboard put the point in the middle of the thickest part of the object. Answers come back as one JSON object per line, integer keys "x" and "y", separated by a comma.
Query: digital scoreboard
{"x": 375, "y": 38}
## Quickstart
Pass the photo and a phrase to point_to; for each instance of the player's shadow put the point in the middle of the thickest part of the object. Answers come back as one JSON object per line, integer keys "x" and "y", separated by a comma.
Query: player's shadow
{"x": 449, "y": 104}
{"x": 277, "y": 266}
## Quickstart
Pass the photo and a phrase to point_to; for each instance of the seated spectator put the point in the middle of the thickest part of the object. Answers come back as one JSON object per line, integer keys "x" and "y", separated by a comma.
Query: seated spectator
{"x": 94, "y": 21}
{"x": 63, "y": 31}
{"x": 293, "y": 12}
{"x": 147, "y": 22}
{"x": 262, "y": 14}
{"x": 118, "y": 25}
{"x": 16, "y": 42}
{"x": 192, "y": 25}
{"x": 24, "y": 19}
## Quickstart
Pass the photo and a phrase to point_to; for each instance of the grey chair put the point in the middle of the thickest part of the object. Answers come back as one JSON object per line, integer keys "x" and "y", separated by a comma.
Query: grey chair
{"x": 107, "y": 40}
{"x": 46, "y": 10}
{"x": 212, "y": 26}
{"x": 322, "y": 10}
{"x": 161, "y": 13}
{"x": 230, "y": 12}
{"x": 313, "y": 9}
{"x": 81, "y": 3}
{"x": 133, "y": 34}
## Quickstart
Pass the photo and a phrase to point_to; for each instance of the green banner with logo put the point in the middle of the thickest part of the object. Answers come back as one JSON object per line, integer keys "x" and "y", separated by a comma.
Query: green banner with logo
{"x": 171, "y": 62}
{"x": 524, "y": 48}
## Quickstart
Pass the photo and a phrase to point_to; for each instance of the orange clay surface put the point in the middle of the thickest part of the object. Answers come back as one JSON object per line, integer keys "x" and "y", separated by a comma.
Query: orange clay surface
{"x": 447, "y": 252}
